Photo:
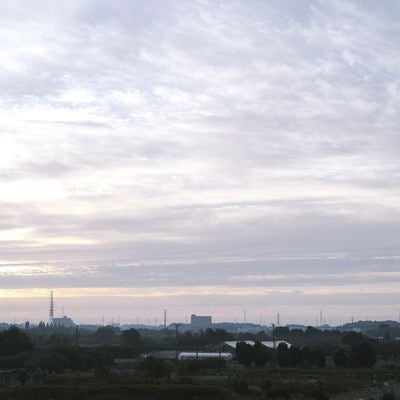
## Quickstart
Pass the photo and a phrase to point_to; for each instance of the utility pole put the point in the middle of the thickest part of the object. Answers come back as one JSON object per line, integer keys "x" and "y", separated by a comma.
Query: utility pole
{"x": 76, "y": 336}
{"x": 273, "y": 337}
{"x": 177, "y": 325}
{"x": 51, "y": 314}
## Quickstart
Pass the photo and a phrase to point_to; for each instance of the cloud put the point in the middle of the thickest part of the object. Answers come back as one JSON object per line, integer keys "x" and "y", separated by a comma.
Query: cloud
{"x": 178, "y": 129}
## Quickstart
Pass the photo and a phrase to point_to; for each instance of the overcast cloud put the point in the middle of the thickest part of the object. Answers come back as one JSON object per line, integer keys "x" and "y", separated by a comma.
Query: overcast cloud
{"x": 204, "y": 149}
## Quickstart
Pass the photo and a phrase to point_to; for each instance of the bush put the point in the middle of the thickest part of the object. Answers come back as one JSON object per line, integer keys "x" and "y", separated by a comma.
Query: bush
{"x": 193, "y": 366}
{"x": 389, "y": 396}
{"x": 340, "y": 359}
{"x": 278, "y": 392}
{"x": 114, "y": 392}
{"x": 316, "y": 394}
{"x": 185, "y": 380}
{"x": 362, "y": 356}
{"x": 240, "y": 386}
{"x": 156, "y": 368}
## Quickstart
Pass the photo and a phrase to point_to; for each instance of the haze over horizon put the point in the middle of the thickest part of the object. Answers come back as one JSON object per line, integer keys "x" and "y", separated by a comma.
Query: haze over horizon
{"x": 200, "y": 156}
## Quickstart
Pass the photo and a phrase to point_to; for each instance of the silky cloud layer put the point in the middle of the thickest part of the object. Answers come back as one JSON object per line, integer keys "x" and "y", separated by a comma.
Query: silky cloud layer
{"x": 223, "y": 151}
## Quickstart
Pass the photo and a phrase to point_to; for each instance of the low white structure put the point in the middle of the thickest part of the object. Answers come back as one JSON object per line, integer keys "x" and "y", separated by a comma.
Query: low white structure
{"x": 274, "y": 344}
{"x": 233, "y": 343}
{"x": 195, "y": 355}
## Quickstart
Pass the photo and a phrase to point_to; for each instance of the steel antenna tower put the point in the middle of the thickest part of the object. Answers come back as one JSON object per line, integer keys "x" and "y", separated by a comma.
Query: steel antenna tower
{"x": 51, "y": 314}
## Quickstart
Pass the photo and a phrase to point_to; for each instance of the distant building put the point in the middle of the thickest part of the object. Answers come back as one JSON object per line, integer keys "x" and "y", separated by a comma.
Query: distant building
{"x": 200, "y": 321}
{"x": 62, "y": 322}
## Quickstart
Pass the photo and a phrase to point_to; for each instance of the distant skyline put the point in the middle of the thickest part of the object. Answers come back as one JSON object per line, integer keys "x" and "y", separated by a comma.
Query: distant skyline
{"x": 202, "y": 156}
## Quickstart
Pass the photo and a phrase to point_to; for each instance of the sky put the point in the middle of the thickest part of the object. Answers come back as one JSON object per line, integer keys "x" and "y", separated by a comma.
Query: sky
{"x": 229, "y": 158}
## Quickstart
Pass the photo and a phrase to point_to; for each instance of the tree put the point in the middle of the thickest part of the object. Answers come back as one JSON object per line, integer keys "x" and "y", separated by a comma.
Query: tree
{"x": 156, "y": 368}
{"x": 352, "y": 338}
{"x": 283, "y": 355}
{"x": 23, "y": 376}
{"x": 105, "y": 334}
{"x": 282, "y": 332}
{"x": 310, "y": 330}
{"x": 362, "y": 356}
{"x": 217, "y": 335}
{"x": 295, "y": 355}
{"x": 241, "y": 386}
{"x": 318, "y": 358}
{"x": 131, "y": 338}
{"x": 244, "y": 353}
{"x": 47, "y": 360}
{"x": 341, "y": 359}
{"x": 262, "y": 354}
{"x": 14, "y": 341}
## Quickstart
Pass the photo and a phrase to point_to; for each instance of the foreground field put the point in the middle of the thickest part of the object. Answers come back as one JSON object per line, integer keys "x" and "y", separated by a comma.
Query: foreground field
{"x": 116, "y": 392}
{"x": 231, "y": 382}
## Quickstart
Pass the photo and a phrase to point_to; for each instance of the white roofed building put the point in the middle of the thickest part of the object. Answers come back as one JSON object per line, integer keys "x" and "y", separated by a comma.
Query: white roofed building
{"x": 63, "y": 322}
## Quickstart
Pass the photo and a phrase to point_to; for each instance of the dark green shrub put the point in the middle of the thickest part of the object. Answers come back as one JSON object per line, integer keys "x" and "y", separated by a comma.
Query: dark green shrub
{"x": 389, "y": 396}
{"x": 279, "y": 392}
{"x": 185, "y": 380}
{"x": 240, "y": 386}
{"x": 316, "y": 394}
